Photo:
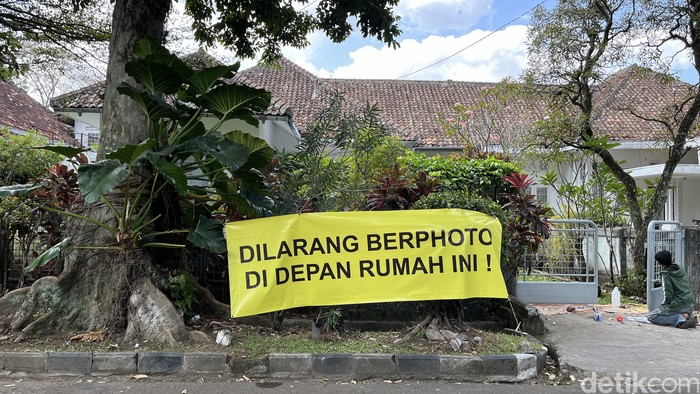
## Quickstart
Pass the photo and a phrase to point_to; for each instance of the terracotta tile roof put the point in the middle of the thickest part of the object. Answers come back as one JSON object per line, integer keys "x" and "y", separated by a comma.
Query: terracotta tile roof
{"x": 635, "y": 92}
{"x": 200, "y": 60}
{"x": 414, "y": 105}
{"x": 297, "y": 92}
{"x": 410, "y": 108}
{"x": 21, "y": 112}
{"x": 89, "y": 97}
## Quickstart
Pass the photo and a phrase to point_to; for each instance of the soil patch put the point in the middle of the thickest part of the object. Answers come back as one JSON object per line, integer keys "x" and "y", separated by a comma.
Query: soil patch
{"x": 253, "y": 341}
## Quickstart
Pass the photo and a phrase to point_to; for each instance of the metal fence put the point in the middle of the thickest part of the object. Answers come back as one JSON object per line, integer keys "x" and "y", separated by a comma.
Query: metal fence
{"x": 15, "y": 253}
{"x": 661, "y": 235}
{"x": 565, "y": 267}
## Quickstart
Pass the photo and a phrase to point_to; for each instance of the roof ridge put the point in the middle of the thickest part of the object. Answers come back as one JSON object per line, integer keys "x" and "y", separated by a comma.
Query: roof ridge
{"x": 625, "y": 76}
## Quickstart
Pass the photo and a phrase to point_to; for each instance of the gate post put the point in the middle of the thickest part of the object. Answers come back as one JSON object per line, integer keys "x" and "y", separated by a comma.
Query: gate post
{"x": 692, "y": 259}
{"x": 661, "y": 235}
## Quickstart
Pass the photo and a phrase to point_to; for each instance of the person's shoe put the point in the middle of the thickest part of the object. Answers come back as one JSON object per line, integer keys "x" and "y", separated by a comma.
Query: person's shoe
{"x": 690, "y": 322}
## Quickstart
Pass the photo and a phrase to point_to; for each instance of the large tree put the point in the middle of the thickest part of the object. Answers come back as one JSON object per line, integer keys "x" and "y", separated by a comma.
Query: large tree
{"x": 112, "y": 287}
{"x": 575, "y": 44}
{"x": 248, "y": 28}
{"x": 32, "y": 28}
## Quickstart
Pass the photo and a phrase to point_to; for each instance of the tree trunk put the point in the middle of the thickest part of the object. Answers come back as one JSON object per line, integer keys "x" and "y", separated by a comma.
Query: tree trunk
{"x": 99, "y": 289}
{"x": 122, "y": 120}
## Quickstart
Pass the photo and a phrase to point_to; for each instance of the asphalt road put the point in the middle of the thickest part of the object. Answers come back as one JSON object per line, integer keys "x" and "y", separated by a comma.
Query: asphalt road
{"x": 195, "y": 385}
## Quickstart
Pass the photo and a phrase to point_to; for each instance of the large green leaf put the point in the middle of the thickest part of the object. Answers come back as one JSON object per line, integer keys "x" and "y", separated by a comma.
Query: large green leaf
{"x": 230, "y": 154}
{"x": 156, "y": 77}
{"x": 259, "y": 203}
{"x": 202, "y": 81}
{"x": 260, "y": 152}
{"x": 208, "y": 234}
{"x": 130, "y": 154}
{"x": 150, "y": 55}
{"x": 100, "y": 178}
{"x": 236, "y": 101}
{"x": 67, "y": 151}
{"x": 153, "y": 106}
{"x": 148, "y": 46}
{"x": 188, "y": 129}
{"x": 172, "y": 172}
{"x": 249, "y": 207}
{"x": 192, "y": 209}
{"x": 17, "y": 190}
{"x": 50, "y": 254}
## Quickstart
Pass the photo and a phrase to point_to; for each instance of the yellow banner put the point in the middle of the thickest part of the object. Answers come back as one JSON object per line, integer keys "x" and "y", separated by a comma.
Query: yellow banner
{"x": 335, "y": 258}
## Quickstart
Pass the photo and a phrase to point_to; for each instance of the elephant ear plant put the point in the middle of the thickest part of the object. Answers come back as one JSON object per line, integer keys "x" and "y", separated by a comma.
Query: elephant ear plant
{"x": 188, "y": 172}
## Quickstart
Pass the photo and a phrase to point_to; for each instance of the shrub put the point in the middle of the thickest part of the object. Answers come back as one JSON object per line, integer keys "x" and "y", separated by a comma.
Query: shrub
{"x": 634, "y": 284}
{"x": 19, "y": 163}
{"x": 480, "y": 176}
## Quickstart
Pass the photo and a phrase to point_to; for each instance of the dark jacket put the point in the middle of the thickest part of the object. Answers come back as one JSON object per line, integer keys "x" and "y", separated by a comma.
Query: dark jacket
{"x": 678, "y": 294}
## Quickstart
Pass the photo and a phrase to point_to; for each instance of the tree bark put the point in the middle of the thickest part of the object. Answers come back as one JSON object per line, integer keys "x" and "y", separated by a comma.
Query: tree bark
{"x": 99, "y": 289}
{"x": 122, "y": 121}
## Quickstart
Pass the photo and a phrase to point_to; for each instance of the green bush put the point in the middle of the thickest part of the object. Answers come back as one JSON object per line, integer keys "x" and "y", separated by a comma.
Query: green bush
{"x": 19, "y": 163}
{"x": 462, "y": 200}
{"x": 481, "y": 176}
{"x": 634, "y": 284}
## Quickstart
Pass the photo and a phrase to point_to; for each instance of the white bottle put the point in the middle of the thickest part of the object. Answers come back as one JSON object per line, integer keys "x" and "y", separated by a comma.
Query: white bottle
{"x": 616, "y": 297}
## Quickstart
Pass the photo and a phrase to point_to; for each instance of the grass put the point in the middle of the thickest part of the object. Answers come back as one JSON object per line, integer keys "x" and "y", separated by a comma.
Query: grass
{"x": 256, "y": 344}
{"x": 606, "y": 299}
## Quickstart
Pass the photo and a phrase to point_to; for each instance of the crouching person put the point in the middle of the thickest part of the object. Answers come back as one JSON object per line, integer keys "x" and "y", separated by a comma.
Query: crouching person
{"x": 677, "y": 308}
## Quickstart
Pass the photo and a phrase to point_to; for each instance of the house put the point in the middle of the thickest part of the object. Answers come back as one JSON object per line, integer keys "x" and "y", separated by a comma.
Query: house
{"x": 84, "y": 107}
{"x": 410, "y": 108}
{"x": 22, "y": 114}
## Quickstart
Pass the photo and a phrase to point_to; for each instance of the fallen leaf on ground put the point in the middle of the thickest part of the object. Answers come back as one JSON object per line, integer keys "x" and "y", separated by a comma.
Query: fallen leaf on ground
{"x": 92, "y": 336}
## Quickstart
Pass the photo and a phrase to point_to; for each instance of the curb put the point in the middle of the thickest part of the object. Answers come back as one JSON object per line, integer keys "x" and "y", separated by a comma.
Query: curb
{"x": 498, "y": 368}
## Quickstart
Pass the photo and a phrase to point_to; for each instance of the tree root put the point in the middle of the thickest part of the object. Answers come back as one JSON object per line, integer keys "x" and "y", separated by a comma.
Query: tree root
{"x": 207, "y": 300}
{"x": 152, "y": 317}
{"x": 417, "y": 328}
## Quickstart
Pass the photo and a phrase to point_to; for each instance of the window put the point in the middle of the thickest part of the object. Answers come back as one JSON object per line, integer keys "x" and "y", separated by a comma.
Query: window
{"x": 93, "y": 138}
{"x": 540, "y": 193}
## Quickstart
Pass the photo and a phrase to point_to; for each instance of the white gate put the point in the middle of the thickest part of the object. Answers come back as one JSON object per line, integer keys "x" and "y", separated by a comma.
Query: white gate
{"x": 661, "y": 235}
{"x": 565, "y": 268}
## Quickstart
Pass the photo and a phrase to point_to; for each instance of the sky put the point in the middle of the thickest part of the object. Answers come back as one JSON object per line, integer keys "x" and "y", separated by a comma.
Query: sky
{"x": 461, "y": 40}
{"x": 490, "y": 46}
{"x": 470, "y": 40}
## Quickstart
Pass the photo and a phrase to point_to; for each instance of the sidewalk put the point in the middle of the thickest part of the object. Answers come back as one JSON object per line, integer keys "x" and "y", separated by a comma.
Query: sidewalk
{"x": 609, "y": 347}
{"x": 497, "y": 368}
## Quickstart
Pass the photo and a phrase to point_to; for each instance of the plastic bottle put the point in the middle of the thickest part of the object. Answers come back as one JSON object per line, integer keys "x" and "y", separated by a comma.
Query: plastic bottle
{"x": 616, "y": 297}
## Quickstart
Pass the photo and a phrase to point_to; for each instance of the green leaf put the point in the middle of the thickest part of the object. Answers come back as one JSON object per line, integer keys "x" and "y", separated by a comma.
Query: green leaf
{"x": 188, "y": 130}
{"x": 236, "y": 101}
{"x": 17, "y": 190}
{"x": 202, "y": 81}
{"x": 231, "y": 155}
{"x": 45, "y": 257}
{"x": 157, "y": 78}
{"x": 130, "y": 154}
{"x": 67, "y": 151}
{"x": 209, "y": 234}
{"x": 100, "y": 178}
{"x": 148, "y": 46}
{"x": 150, "y": 55}
{"x": 172, "y": 172}
{"x": 259, "y": 203}
{"x": 261, "y": 153}
{"x": 153, "y": 106}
